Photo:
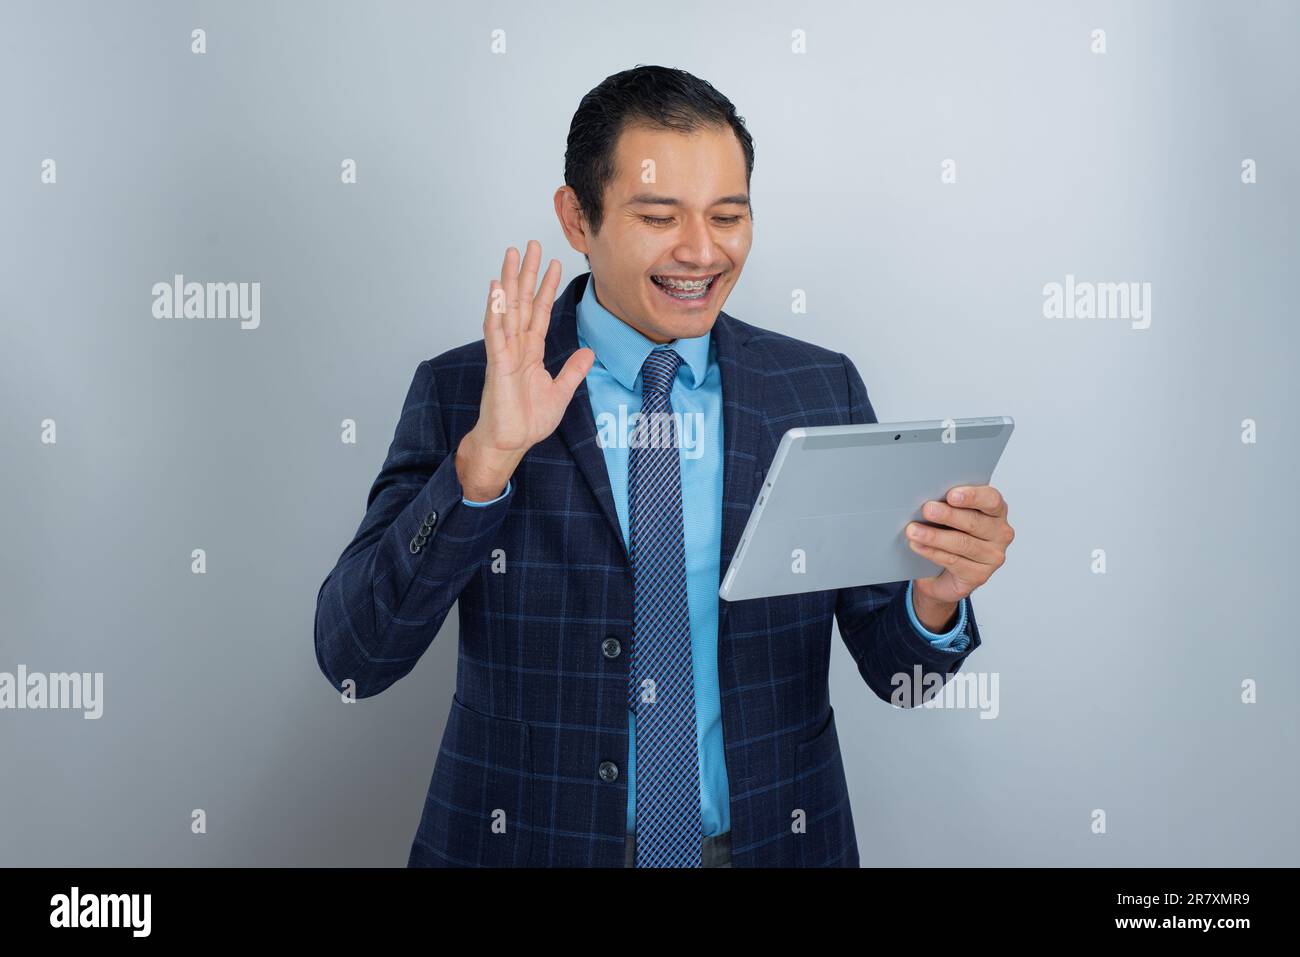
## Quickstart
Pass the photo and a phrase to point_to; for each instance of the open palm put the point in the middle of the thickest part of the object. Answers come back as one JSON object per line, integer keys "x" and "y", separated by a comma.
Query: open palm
{"x": 522, "y": 404}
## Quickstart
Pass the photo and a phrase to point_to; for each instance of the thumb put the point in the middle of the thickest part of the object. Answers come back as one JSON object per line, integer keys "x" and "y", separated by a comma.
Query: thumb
{"x": 932, "y": 587}
{"x": 574, "y": 371}
{"x": 944, "y": 587}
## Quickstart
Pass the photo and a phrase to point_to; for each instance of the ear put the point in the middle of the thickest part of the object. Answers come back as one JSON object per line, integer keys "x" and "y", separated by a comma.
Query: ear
{"x": 569, "y": 212}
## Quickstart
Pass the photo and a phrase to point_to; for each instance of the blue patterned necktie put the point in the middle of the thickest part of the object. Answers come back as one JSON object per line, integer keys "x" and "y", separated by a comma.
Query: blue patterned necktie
{"x": 661, "y": 689}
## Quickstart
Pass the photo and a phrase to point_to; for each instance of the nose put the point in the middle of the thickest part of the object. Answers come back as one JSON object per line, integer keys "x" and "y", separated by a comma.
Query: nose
{"x": 697, "y": 247}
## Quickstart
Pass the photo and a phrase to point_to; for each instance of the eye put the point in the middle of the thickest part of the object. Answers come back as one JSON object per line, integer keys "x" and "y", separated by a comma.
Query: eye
{"x": 665, "y": 220}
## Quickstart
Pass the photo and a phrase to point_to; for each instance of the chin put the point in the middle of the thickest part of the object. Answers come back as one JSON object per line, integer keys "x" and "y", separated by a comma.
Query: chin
{"x": 698, "y": 328}
{"x": 686, "y": 328}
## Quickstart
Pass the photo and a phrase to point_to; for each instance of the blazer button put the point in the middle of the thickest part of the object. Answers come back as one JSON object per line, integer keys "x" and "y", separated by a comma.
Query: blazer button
{"x": 415, "y": 546}
{"x": 608, "y": 771}
{"x": 611, "y": 647}
{"x": 431, "y": 519}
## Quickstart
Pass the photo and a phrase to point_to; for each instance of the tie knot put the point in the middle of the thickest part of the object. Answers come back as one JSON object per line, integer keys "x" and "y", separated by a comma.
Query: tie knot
{"x": 659, "y": 370}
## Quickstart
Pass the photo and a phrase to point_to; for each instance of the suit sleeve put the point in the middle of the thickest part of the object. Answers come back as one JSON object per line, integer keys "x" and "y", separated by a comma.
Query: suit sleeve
{"x": 877, "y": 624}
{"x": 417, "y": 547}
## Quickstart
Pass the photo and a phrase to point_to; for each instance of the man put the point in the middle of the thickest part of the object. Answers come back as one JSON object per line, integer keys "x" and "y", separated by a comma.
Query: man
{"x": 609, "y": 709}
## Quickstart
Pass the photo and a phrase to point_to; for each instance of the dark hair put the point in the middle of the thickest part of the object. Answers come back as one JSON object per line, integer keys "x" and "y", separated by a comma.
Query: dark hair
{"x": 656, "y": 96}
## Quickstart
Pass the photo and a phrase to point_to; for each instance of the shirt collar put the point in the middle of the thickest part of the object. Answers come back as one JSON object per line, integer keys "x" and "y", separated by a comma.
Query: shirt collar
{"x": 623, "y": 351}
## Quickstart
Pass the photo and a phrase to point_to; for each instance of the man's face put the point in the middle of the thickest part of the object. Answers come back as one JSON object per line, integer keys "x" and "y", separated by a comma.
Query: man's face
{"x": 690, "y": 221}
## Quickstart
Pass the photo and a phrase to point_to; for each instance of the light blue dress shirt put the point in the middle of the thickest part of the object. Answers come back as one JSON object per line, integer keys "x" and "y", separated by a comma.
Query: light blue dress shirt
{"x": 614, "y": 388}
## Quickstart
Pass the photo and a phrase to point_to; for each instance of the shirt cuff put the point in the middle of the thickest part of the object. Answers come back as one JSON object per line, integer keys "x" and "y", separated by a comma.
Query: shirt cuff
{"x": 507, "y": 492}
{"x": 948, "y": 637}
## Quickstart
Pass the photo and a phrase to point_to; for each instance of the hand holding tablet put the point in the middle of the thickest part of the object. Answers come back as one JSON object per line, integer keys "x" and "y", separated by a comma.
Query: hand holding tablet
{"x": 837, "y": 500}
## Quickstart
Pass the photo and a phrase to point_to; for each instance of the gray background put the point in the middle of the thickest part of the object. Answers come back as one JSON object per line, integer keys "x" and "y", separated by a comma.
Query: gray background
{"x": 1118, "y": 692}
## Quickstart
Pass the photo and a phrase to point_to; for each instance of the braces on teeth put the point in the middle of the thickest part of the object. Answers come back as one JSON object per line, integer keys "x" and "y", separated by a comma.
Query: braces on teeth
{"x": 694, "y": 285}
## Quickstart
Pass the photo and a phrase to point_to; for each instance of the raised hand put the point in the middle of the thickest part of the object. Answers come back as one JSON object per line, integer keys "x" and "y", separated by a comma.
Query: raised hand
{"x": 521, "y": 403}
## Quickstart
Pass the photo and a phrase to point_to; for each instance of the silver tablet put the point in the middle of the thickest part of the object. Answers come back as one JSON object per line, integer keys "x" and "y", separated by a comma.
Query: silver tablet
{"x": 837, "y": 499}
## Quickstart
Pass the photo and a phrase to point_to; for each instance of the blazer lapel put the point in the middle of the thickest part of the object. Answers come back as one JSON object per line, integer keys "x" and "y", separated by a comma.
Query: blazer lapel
{"x": 742, "y": 427}
{"x": 578, "y": 426}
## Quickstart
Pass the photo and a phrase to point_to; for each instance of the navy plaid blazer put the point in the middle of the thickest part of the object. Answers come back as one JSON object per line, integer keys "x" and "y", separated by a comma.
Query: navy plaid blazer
{"x": 529, "y": 769}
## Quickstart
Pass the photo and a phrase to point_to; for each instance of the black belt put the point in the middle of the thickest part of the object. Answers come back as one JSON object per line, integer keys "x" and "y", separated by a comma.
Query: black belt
{"x": 715, "y": 850}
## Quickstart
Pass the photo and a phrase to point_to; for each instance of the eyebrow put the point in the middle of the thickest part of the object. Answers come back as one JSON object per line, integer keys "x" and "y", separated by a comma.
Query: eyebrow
{"x": 736, "y": 199}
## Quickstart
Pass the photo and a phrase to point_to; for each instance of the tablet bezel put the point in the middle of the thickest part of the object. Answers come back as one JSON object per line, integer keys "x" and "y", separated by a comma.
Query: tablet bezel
{"x": 804, "y": 439}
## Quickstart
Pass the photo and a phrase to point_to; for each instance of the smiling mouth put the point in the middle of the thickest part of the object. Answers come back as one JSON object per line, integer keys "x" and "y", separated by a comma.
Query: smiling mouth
{"x": 685, "y": 290}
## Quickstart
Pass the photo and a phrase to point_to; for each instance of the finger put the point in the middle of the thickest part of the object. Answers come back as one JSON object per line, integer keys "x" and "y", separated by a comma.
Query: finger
{"x": 959, "y": 543}
{"x": 963, "y": 569}
{"x": 574, "y": 371}
{"x": 510, "y": 283}
{"x": 528, "y": 282}
{"x": 540, "y": 320}
{"x": 493, "y": 334}
{"x": 964, "y": 519}
{"x": 983, "y": 497}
